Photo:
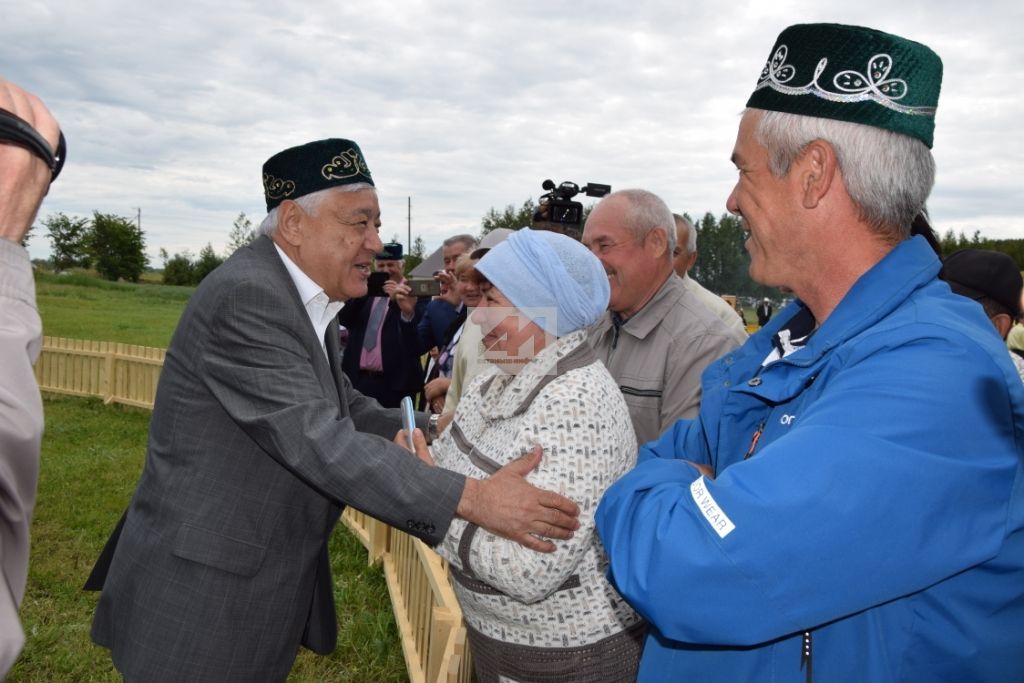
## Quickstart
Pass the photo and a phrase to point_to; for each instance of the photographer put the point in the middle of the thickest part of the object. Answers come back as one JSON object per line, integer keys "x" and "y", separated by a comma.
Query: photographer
{"x": 381, "y": 356}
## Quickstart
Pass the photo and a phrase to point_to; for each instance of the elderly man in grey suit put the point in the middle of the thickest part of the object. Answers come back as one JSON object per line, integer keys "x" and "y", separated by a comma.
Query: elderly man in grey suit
{"x": 258, "y": 440}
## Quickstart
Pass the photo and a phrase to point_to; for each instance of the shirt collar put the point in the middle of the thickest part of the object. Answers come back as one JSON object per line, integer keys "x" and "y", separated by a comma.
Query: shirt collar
{"x": 318, "y": 307}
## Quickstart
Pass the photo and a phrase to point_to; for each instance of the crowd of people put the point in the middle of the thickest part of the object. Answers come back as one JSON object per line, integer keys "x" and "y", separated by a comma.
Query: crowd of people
{"x": 625, "y": 486}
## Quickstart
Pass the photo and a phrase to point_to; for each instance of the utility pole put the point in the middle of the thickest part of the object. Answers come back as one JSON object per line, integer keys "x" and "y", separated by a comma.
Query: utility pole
{"x": 138, "y": 218}
{"x": 409, "y": 225}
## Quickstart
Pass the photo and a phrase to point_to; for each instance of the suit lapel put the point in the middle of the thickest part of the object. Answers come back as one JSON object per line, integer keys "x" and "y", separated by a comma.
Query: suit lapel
{"x": 334, "y": 356}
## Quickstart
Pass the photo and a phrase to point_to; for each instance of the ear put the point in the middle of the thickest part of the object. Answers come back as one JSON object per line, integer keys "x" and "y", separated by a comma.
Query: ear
{"x": 692, "y": 260}
{"x": 658, "y": 241}
{"x": 290, "y": 219}
{"x": 1003, "y": 323}
{"x": 817, "y": 167}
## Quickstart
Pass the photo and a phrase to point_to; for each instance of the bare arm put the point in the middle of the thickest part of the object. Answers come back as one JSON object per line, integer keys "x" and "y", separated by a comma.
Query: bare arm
{"x": 24, "y": 177}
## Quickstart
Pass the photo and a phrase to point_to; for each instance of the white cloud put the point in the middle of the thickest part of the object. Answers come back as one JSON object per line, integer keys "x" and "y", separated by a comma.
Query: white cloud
{"x": 465, "y": 106}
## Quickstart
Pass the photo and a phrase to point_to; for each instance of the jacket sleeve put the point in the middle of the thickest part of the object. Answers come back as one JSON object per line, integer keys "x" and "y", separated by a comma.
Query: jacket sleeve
{"x": 860, "y": 502}
{"x": 578, "y": 462}
{"x": 21, "y": 429}
{"x": 257, "y": 365}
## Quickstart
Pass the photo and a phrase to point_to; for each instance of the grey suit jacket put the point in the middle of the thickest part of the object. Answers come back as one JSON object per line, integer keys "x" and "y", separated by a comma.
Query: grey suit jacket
{"x": 255, "y": 444}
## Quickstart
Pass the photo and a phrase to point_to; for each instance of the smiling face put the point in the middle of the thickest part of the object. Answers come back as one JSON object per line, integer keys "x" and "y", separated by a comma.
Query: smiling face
{"x": 468, "y": 288}
{"x": 392, "y": 267}
{"x": 335, "y": 244}
{"x": 636, "y": 268}
{"x": 768, "y": 207}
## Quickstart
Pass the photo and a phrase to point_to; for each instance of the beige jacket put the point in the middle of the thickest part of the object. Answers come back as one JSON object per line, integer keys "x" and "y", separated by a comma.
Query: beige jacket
{"x": 658, "y": 355}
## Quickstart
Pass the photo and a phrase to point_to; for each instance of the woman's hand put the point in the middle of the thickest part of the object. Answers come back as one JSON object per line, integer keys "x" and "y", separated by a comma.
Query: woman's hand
{"x": 435, "y": 392}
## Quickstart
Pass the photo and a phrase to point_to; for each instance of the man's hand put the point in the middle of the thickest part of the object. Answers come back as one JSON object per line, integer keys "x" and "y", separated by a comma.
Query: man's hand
{"x": 703, "y": 469}
{"x": 449, "y": 290}
{"x": 401, "y": 295}
{"x": 24, "y": 177}
{"x": 505, "y": 504}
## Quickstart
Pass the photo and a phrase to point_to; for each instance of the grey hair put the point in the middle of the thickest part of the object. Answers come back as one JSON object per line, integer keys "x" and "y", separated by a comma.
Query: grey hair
{"x": 647, "y": 211}
{"x": 887, "y": 175}
{"x": 310, "y": 203}
{"x": 468, "y": 240}
{"x": 691, "y": 232}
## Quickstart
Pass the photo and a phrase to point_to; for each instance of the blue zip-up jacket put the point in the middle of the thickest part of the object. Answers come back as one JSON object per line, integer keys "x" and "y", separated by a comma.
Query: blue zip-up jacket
{"x": 881, "y": 508}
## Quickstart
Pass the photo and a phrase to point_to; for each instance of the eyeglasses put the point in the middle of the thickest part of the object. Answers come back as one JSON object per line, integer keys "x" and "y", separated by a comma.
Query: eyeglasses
{"x": 16, "y": 131}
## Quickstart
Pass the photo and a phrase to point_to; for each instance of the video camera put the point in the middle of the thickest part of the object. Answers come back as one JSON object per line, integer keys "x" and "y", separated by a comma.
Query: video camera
{"x": 558, "y": 200}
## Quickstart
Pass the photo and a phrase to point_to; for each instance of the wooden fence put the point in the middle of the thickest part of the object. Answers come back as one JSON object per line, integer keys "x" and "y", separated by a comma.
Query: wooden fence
{"x": 429, "y": 618}
{"x": 117, "y": 373}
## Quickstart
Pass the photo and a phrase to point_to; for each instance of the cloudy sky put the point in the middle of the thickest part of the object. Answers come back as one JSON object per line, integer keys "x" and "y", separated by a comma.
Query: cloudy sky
{"x": 171, "y": 107}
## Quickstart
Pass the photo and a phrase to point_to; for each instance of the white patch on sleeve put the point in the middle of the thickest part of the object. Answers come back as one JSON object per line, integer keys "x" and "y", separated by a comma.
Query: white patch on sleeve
{"x": 717, "y": 518}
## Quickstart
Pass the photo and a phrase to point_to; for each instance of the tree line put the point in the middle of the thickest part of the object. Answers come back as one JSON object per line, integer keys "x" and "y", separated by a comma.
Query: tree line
{"x": 115, "y": 247}
{"x": 723, "y": 263}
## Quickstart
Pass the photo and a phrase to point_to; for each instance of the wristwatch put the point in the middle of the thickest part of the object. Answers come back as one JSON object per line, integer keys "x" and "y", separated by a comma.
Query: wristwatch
{"x": 432, "y": 427}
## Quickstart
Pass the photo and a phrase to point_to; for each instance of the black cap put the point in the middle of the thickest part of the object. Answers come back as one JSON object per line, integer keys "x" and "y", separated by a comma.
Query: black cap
{"x": 314, "y": 166}
{"x": 977, "y": 273}
{"x": 392, "y": 251}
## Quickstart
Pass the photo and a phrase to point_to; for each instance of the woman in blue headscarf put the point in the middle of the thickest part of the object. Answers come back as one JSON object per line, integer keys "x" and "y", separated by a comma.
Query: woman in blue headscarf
{"x": 535, "y": 616}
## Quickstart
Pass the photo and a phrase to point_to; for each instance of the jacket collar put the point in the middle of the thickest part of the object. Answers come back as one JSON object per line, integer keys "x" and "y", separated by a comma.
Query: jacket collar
{"x": 908, "y": 267}
{"x": 505, "y": 396}
{"x": 647, "y": 318}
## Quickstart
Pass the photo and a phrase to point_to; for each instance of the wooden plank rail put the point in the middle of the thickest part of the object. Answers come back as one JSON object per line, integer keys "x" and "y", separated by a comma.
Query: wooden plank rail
{"x": 428, "y": 616}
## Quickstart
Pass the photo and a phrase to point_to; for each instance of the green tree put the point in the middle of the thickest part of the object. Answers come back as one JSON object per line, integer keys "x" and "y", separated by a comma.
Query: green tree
{"x": 179, "y": 269}
{"x": 511, "y": 218}
{"x": 118, "y": 247}
{"x": 242, "y": 233}
{"x": 723, "y": 262}
{"x": 70, "y": 239}
{"x": 207, "y": 261}
{"x": 415, "y": 255}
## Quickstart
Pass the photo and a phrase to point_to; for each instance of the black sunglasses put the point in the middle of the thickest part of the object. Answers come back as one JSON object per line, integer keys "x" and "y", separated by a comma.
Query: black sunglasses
{"x": 16, "y": 131}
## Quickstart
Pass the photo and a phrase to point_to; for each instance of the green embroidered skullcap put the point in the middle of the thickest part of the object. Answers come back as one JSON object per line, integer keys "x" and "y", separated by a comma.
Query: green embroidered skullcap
{"x": 314, "y": 166}
{"x": 855, "y": 74}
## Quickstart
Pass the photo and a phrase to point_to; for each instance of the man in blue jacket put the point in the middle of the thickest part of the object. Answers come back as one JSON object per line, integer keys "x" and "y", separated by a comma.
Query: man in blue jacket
{"x": 849, "y": 503}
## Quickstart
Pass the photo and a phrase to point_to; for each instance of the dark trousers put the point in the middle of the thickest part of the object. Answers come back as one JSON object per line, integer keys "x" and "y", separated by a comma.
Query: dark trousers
{"x": 376, "y": 384}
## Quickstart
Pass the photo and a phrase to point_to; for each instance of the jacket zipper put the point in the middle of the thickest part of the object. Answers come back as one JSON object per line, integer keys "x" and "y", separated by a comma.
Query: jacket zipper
{"x": 754, "y": 440}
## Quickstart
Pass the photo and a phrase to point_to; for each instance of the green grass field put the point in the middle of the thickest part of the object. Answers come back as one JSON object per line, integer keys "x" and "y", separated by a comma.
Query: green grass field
{"x": 91, "y": 458}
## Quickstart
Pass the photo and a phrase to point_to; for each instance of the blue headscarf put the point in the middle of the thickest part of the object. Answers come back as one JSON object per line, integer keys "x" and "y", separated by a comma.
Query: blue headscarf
{"x": 539, "y": 269}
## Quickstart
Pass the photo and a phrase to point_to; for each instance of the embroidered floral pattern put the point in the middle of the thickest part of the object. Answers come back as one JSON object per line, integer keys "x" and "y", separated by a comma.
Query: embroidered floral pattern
{"x": 348, "y": 164}
{"x": 277, "y": 188}
{"x": 848, "y": 85}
